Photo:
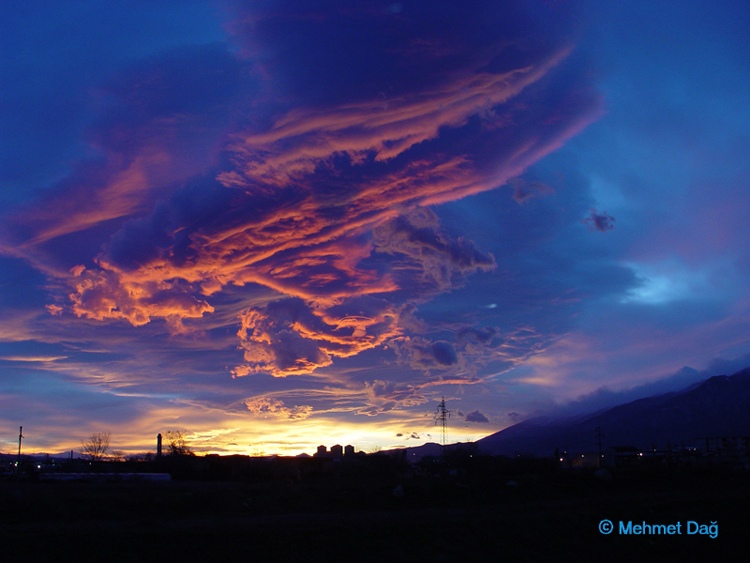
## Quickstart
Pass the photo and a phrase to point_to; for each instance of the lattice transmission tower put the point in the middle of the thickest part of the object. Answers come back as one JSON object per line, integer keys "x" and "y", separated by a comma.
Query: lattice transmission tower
{"x": 441, "y": 418}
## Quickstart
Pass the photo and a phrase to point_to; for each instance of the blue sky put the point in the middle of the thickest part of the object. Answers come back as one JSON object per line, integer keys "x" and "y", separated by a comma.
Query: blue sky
{"x": 279, "y": 224}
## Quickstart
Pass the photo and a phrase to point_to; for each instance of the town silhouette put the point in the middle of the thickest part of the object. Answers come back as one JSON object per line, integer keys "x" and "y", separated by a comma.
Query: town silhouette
{"x": 438, "y": 501}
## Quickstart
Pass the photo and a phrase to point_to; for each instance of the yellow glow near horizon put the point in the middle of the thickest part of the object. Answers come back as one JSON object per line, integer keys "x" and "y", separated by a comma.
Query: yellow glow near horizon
{"x": 237, "y": 434}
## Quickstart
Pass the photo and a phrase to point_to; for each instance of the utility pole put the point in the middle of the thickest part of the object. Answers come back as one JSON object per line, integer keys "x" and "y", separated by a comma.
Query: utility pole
{"x": 20, "y": 437}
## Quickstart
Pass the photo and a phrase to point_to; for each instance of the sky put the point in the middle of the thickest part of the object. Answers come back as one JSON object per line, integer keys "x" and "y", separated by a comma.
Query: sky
{"x": 279, "y": 224}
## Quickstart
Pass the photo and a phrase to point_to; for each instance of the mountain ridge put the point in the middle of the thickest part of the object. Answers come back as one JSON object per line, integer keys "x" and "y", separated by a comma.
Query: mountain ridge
{"x": 717, "y": 406}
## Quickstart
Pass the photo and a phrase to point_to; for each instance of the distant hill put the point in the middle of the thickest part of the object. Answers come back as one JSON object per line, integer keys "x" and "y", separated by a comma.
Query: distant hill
{"x": 719, "y": 406}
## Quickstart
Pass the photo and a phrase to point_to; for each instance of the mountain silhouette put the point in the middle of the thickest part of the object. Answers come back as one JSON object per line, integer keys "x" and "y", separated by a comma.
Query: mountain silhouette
{"x": 719, "y": 406}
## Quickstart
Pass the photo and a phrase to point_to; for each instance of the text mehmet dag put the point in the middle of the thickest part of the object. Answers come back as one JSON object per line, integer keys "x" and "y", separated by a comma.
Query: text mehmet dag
{"x": 691, "y": 528}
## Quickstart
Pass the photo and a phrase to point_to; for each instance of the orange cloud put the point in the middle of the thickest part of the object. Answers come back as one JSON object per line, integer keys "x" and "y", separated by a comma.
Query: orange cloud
{"x": 295, "y": 145}
{"x": 289, "y": 337}
{"x": 324, "y": 205}
{"x": 274, "y": 408}
{"x": 101, "y": 294}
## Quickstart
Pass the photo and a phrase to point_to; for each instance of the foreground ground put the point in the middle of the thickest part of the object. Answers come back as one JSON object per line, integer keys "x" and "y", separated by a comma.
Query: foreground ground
{"x": 532, "y": 517}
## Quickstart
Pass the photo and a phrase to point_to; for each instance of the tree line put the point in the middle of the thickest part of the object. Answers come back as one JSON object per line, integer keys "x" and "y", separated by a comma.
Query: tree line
{"x": 96, "y": 447}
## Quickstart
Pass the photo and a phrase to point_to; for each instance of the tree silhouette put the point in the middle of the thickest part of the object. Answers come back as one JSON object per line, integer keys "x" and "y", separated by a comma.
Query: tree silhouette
{"x": 176, "y": 442}
{"x": 96, "y": 446}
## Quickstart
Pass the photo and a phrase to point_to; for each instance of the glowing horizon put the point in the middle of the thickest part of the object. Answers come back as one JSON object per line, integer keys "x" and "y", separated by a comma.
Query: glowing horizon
{"x": 227, "y": 436}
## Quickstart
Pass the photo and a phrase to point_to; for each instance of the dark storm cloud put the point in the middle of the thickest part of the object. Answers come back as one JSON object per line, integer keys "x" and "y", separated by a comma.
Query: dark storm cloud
{"x": 473, "y": 355}
{"x": 422, "y": 354}
{"x": 424, "y": 258}
{"x": 177, "y": 98}
{"x": 476, "y": 416}
{"x": 600, "y": 221}
{"x": 444, "y": 353}
{"x": 335, "y": 52}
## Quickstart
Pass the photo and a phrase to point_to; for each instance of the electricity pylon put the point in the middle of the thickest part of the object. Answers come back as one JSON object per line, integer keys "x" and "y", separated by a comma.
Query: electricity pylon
{"x": 443, "y": 414}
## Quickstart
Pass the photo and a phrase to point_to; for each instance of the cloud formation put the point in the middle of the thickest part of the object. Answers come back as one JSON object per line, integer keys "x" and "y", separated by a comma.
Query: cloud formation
{"x": 600, "y": 221}
{"x": 275, "y": 408}
{"x": 289, "y": 337}
{"x": 358, "y": 208}
{"x": 320, "y": 197}
{"x": 275, "y": 196}
{"x": 476, "y": 416}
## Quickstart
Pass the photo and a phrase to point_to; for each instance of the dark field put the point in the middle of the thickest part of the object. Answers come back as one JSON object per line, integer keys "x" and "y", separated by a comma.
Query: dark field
{"x": 541, "y": 516}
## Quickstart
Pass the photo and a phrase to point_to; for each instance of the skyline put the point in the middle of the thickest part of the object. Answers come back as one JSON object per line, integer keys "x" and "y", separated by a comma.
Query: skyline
{"x": 277, "y": 225}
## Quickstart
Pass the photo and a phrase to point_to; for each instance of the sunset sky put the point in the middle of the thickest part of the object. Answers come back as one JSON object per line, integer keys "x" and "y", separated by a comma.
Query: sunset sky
{"x": 279, "y": 224}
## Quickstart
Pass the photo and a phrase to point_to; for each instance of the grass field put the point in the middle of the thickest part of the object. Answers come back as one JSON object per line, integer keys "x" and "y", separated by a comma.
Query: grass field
{"x": 547, "y": 517}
